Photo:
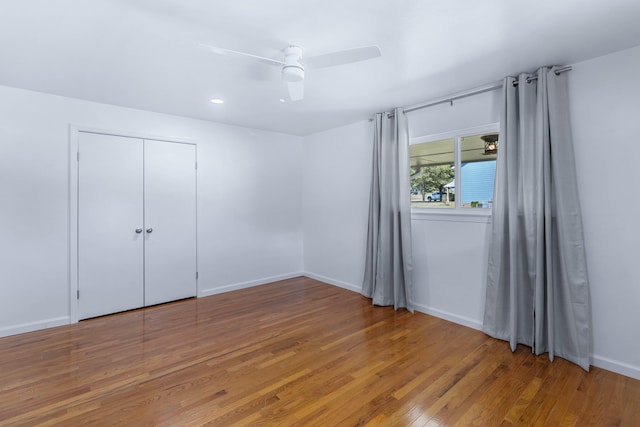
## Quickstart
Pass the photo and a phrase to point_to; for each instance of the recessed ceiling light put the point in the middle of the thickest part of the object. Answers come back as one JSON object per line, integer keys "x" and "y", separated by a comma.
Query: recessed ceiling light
{"x": 217, "y": 101}
{"x": 282, "y": 100}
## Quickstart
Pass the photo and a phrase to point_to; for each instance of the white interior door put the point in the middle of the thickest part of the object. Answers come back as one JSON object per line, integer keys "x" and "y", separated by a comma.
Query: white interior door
{"x": 110, "y": 209}
{"x": 170, "y": 221}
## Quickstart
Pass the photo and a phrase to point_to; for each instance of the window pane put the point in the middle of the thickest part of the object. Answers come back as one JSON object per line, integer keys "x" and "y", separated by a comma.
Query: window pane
{"x": 432, "y": 174}
{"x": 478, "y": 170}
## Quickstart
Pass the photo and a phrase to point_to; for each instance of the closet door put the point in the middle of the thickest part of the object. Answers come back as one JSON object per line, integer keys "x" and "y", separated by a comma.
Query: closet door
{"x": 170, "y": 221}
{"x": 110, "y": 224}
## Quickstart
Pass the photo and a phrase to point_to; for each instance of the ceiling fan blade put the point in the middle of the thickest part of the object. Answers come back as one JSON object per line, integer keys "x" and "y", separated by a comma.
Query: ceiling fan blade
{"x": 343, "y": 57}
{"x": 223, "y": 51}
{"x": 296, "y": 90}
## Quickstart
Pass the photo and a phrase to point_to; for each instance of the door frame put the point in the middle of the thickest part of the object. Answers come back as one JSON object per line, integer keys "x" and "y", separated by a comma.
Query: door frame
{"x": 72, "y": 244}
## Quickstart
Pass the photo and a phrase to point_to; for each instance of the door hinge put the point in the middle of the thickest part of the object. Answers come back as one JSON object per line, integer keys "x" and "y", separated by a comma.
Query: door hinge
{"x": 196, "y": 165}
{"x": 196, "y": 275}
{"x": 78, "y": 294}
{"x": 78, "y": 156}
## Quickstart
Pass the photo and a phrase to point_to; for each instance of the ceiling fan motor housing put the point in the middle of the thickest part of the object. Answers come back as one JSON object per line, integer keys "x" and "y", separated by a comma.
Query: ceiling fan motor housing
{"x": 292, "y": 70}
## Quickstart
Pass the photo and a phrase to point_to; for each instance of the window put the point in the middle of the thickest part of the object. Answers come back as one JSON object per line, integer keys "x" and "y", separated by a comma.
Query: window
{"x": 454, "y": 170}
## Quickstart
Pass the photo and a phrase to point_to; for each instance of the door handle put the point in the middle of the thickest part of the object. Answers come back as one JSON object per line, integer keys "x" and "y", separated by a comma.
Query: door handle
{"x": 149, "y": 230}
{"x": 138, "y": 230}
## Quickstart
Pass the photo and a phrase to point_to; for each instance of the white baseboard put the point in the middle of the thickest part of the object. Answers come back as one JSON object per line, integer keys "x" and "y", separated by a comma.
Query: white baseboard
{"x": 460, "y": 320}
{"x": 455, "y": 318}
{"x": 249, "y": 284}
{"x": 615, "y": 366}
{"x": 338, "y": 283}
{"x": 596, "y": 360}
{"x": 599, "y": 361}
{"x": 33, "y": 326}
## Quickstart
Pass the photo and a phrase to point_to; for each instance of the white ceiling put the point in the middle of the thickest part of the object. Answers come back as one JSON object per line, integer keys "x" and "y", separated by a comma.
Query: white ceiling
{"x": 145, "y": 53}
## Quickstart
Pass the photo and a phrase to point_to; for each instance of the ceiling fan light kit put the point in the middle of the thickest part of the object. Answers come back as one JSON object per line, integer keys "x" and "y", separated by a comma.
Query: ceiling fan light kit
{"x": 293, "y": 68}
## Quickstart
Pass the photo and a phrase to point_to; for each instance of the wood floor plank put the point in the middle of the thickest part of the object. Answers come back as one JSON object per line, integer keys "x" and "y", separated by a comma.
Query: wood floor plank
{"x": 294, "y": 353}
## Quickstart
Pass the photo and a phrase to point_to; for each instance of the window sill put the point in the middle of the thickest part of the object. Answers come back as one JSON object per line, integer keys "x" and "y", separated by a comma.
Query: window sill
{"x": 452, "y": 215}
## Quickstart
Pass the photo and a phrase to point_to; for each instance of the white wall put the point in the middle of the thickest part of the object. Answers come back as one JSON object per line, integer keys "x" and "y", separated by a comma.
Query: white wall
{"x": 449, "y": 256}
{"x": 249, "y": 201}
{"x": 336, "y": 203}
{"x": 450, "y": 252}
{"x": 605, "y": 114}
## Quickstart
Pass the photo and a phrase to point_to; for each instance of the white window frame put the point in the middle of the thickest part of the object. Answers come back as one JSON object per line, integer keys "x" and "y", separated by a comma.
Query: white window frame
{"x": 457, "y": 213}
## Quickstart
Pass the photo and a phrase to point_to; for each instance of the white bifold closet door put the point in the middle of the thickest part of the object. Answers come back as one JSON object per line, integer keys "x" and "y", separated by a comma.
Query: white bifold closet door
{"x": 136, "y": 223}
{"x": 170, "y": 210}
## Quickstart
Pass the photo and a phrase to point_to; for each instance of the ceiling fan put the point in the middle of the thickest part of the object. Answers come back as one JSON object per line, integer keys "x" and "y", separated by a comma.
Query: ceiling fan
{"x": 293, "y": 66}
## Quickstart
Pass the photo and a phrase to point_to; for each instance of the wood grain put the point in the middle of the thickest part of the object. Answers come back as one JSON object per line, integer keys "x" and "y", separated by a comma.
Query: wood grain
{"x": 294, "y": 353}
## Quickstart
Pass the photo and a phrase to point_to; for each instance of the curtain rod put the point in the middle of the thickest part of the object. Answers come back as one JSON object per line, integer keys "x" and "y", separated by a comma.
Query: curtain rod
{"x": 459, "y": 95}
{"x": 470, "y": 92}
{"x": 557, "y": 73}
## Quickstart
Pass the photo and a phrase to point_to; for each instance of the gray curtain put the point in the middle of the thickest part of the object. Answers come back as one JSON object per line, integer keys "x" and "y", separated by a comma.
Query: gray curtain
{"x": 537, "y": 286}
{"x": 388, "y": 264}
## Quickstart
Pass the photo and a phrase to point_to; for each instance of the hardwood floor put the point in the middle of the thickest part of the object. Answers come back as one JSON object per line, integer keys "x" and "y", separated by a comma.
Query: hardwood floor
{"x": 296, "y": 352}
